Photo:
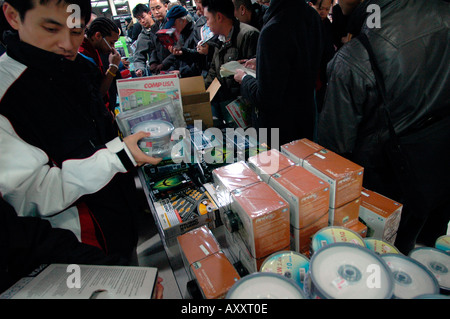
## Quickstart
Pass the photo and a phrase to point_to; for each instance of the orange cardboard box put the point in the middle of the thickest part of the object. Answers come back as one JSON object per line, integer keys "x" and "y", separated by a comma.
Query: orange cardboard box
{"x": 299, "y": 150}
{"x": 346, "y": 214}
{"x": 381, "y": 215}
{"x": 197, "y": 244}
{"x": 301, "y": 238}
{"x": 358, "y": 227}
{"x": 239, "y": 250}
{"x": 215, "y": 275}
{"x": 268, "y": 163}
{"x": 264, "y": 218}
{"x": 344, "y": 176}
{"x": 307, "y": 195}
{"x": 234, "y": 176}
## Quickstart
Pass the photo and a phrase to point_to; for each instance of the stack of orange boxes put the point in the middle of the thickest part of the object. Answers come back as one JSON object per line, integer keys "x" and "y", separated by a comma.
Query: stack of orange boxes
{"x": 257, "y": 222}
{"x": 344, "y": 177}
{"x": 207, "y": 263}
{"x": 307, "y": 195}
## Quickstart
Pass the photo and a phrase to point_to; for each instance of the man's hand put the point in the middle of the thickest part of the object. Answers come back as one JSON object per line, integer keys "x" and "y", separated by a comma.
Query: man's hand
{"x": 250, "y": 64}
{"x": 140, "y": 157}
{"x": 126, "y": 63}
{"x": 175, "y": 50}
{"x": 156, "y": 68}
{"x": 114, "y": 57}
{"x": 203, "y": 48}
{"x": 239, "y": 75}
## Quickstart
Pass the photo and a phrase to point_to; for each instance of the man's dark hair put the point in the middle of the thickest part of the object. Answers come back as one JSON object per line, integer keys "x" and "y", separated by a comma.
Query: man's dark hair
{"x": 22, "y": 6}
{"x": 225, "y": 7}
{"x": 140, "y": 9}
{"x": 246, "y": 3}
{"x": 103, "y": 25}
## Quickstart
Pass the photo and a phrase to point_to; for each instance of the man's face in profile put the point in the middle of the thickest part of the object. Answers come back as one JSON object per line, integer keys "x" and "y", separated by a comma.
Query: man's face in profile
{"x": 46, "y": 27}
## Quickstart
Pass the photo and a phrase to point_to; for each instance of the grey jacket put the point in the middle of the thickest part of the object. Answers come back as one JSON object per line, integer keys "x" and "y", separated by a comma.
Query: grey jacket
{"x": 145, "y": 46}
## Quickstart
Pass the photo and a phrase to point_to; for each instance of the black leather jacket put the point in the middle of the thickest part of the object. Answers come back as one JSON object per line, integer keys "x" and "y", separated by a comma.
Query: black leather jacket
{"x": 412, "y": 49}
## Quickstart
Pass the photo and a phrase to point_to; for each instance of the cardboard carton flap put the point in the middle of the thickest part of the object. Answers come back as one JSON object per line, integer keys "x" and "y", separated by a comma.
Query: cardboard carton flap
{"x": 192, "y": 85}
{"x": 195, "y": 98}
{"x": 196, "y": 85}
{"x": 213, "y": 88}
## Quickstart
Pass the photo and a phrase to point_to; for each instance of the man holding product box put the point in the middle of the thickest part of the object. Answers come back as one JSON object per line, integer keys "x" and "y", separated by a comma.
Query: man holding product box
{"x": 61, "y": 157}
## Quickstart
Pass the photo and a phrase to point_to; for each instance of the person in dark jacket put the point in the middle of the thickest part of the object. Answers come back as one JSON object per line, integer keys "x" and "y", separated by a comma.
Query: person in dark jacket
{"x": 323, "y": 8}
{"x": 180, "y": 19}
{"x": 287, "y": 65}
{"x": 29, "y": 242}
{"x": 412, "y": 52}
{"x": 250, "y": 13}
{"x": 161, "y": 59}
{"x": 101, "y": 35}
{"x": 340, "y": 14}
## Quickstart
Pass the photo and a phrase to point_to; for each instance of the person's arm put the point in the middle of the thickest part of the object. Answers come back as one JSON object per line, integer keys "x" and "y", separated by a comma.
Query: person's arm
{"x": 28, "y": 242}
{"x": 144, "y": 47}
{"x": 111, "y": 72}
{"x": 33, "y": 187}
{"x": 272, "y": 66}
{"x": 349, "y": 100}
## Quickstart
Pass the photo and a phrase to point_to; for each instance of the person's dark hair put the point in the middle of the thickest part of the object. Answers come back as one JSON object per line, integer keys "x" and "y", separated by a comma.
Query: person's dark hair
{"x": 246, "y": 3}
{"x": 22, "y": 6}
{"x": 103, "y": 25}
{"x": 140, "y": 9}
{"x": 225, "y": 7}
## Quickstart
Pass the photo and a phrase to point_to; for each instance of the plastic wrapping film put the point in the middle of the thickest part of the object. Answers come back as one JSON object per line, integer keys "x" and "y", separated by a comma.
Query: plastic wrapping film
{"x": 299, "y": 150}
{"x": 231, "y": 177}
{"x": 197, "y": 244}
{"x": 165, "y": 110}
{"x": 265, "y": 286}
{"x": 443, "y": 243}
{"x": 289, "y": 264}
{"x": 411, "y": 278}
{"x": 437, "y": 261}
{"x": 215, "y": 275}
{"x": 234, "y": 176}
{"x": 307, "y": 195}
{"x": 264, "y": 216}
{"x": 270, "y": 162}
{"x": 380, "y": 247}
{"x": 346, "y": 271}
{"x": 208, "y": 265}
{"x": 345, "y": 177}
{"x": 335, "y": 234}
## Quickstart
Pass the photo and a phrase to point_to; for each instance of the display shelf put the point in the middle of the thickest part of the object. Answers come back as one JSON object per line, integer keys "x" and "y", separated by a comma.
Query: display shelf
{"x": 172, "y": 250}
